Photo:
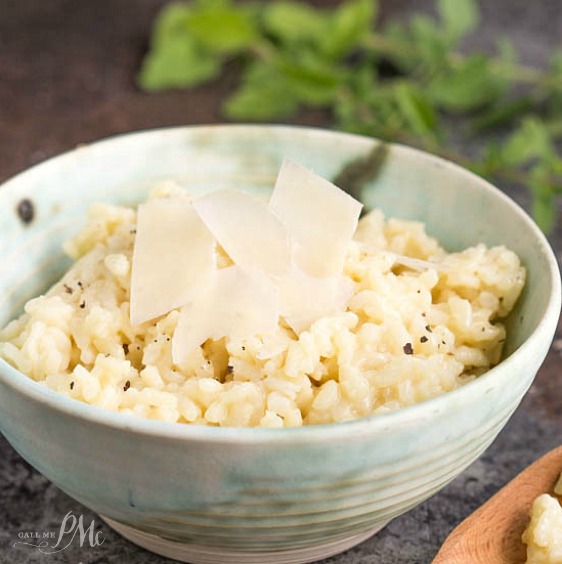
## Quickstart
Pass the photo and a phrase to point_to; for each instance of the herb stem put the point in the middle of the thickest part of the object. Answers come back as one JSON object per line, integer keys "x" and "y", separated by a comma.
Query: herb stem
{"x": 383, "y": 45}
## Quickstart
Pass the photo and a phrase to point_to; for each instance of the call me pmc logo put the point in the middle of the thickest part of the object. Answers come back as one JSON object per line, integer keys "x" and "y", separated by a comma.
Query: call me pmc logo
{"x": 71, "y": 528}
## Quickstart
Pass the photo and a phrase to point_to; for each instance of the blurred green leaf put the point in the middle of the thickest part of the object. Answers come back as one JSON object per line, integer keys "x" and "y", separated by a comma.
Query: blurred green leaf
{"x": 503, "y": 112}
{"x": 265, "y": 94}
{"x": 544, "y": 212}
{"x": 312, "y": 80}
{"x": 416, "y": 110}
{"x": 295, "y": 23}
{"x": 491, "y": 160}
{"x": 171, "y": 21}
{"x": 177, "y": 62}
{"x": 543, "y": 204}
{"x": 350, "y": 24}
{"x": 459, "y": 17}
{"x": 470, "y": 86}
{"x": 431, "y": 46}
{"x": 556, "y": 63}
{"x": 554, "y": 102}
{"x": 507, "y": 51}
{"x": 221, "y": 27}
{"x": 556, "y": 165}
{"x": 399, "y": 33}
{"x": 530, "y": 140}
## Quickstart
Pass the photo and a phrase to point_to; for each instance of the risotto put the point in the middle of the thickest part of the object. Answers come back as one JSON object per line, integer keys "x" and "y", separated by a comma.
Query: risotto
{"x": 417, "y": 322}
{"x": 543, "y": 536}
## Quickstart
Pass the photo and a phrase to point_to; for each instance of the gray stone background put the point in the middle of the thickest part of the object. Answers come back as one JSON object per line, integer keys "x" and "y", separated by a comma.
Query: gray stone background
{"x": 66, "y": 77}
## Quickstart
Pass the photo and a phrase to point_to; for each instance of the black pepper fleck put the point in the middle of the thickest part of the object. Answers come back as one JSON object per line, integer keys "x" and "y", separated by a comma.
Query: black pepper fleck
{"x": 26, "y": 210}
{"x": 408, "y": 349}
{"x": 423, "y": 339}
{"x": 79, "y": 283}
{"x": 68, "y": 289}
{"x": 126, "y": 386}
{"x": 243, "y": 348}
{"x": 428, "y": 329}
{"x": 72, "y": 385}
{"x": 126, "y": 348}
{"x": 230, "y": 369}
{"x": 82, "y": 305}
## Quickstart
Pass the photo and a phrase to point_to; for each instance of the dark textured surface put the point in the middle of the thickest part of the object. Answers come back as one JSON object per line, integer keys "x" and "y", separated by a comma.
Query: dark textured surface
{"x": 66, "y": 77}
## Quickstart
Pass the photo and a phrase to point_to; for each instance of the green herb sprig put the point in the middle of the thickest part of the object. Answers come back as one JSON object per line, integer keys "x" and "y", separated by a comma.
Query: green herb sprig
{"x": 406, "y": 81}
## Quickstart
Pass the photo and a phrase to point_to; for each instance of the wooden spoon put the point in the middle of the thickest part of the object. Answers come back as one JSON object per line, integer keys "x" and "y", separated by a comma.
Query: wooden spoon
{"x": 492, "y": 534}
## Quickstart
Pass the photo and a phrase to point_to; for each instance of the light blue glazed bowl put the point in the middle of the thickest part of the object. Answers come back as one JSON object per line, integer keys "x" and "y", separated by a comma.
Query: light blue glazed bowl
{"x": 216, "y": 495}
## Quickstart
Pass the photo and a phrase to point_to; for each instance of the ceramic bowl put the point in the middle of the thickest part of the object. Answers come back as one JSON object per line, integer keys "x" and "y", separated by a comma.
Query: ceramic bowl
{"x": 216, "y": 495}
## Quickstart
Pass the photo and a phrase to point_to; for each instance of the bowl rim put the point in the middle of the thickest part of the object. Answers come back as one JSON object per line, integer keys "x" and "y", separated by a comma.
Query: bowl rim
{"x": 376, "y": 423}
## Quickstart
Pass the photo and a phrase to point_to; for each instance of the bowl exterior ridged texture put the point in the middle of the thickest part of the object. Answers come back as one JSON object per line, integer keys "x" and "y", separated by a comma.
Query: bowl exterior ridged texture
{"x": 263, "y": 497}
{"x": 262, "y": 490}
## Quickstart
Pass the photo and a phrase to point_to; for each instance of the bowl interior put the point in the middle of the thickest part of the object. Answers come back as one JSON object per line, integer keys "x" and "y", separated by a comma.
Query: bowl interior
{"x": 458, "y": 208}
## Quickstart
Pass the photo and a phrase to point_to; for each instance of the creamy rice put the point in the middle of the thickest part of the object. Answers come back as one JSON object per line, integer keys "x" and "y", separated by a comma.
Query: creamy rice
{"x": 543, "y": 535}
{"x": 409, "y": 334}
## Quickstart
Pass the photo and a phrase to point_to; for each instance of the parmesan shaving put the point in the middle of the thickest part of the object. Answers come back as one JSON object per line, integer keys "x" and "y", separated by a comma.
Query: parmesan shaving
{"x": 320, "y": 218}
{"x": 288, "y": 259}
{"x": 304, "y": 299}
{"x": 416, "y": 264}
{"x": 246, "y": 229}
{"x": 173, "y": 258}
{"x": 241, "y": 302}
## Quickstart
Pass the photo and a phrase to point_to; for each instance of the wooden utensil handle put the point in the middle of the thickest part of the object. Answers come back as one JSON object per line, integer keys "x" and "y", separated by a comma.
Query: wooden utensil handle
{"x": 492, "y": 534}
